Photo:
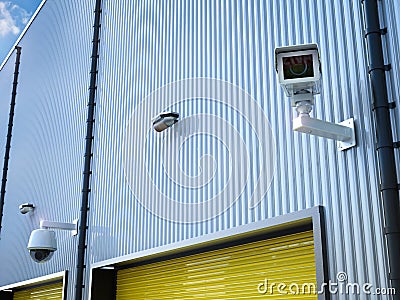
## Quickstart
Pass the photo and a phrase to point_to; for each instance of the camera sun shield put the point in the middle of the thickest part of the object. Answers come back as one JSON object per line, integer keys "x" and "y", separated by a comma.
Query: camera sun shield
{"x": 298, "y": 69}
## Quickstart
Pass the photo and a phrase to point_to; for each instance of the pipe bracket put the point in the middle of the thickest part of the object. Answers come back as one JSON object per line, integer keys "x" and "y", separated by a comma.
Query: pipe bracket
{"x": 386, "y": 68}
{"x": 394, "y": 277}
{"x": 392, "y": 229}
{"x": 381, "y": 31}
{"x": 384, "y": 144}
{"x": 396, "y": 144}
{"x": 392, "y": 105}
{"x": 386, "y": 106}
{"x": 383, "y": 188}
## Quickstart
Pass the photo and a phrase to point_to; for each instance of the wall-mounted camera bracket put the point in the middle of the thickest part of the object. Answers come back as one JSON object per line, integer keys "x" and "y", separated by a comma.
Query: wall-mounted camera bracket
{"x": 73, "y": 227}
{"x": 343, "y": 133}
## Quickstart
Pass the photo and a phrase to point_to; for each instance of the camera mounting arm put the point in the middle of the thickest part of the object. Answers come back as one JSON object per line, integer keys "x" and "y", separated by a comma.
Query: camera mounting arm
{"x": 45, "y": 224}
{"x": 343, "y": 133}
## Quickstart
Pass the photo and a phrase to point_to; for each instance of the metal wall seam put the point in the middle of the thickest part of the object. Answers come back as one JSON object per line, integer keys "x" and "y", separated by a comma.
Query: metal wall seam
{"x": 9, "y": 134}
{"x": 87, "y": 171}
{"x": 384, "y": 138}
{"x": 6, "y": 82}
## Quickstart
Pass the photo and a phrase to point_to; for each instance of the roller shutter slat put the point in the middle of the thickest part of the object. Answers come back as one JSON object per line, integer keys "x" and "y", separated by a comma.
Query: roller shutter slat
{"x": 46, "y": 292}
{"x": 229, "y": 273}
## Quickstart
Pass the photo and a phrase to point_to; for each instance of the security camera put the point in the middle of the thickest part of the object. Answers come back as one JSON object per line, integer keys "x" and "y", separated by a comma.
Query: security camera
{"x": 26, "y": 207}
{"x": 299, "y": 73}
{"x": 299, "y": 70}
{"x": 165, "y": 120}
{"x": 42, "y": 244}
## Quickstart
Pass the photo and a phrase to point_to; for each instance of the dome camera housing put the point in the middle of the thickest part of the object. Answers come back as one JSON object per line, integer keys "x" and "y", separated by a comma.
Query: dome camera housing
{"x": 42, "y": 244}
{"x": 26, "y": 208}
{"x": 165, "y": 120}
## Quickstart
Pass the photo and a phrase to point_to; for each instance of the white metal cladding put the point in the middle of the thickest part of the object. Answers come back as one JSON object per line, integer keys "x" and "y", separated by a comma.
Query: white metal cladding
{"x": 146, "y": 45}
{"x": 46, "y": 161}
{"x": 391, "y": 15}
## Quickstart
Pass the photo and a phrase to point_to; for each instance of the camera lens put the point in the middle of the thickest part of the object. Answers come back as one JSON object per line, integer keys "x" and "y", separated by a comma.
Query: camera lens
{"x": 298, "y": 66}
{"x": 40, "y": 255}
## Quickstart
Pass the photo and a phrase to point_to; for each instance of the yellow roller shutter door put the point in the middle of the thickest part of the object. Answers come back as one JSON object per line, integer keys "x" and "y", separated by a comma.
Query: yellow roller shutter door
{"x": 228, "y": 273}
{"x": 45, "y": 292}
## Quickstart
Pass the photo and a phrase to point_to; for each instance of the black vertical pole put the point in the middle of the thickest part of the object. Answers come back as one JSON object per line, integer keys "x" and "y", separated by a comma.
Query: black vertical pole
{"x": 88, "y": 156}
{"x": 9, "y": 134}
{"x": 385, "y": 147}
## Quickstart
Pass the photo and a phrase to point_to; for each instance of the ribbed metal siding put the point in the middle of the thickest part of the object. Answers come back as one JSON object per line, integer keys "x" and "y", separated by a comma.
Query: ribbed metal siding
{"x": 148, "y": 44}
{"x": 46, "y": 161}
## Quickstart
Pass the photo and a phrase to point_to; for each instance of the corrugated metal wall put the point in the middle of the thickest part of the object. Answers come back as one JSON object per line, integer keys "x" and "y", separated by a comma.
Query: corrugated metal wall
{"x": 160, "y": 55}
{"x": 146, "y": 45}
{"x": 46, "y": 161}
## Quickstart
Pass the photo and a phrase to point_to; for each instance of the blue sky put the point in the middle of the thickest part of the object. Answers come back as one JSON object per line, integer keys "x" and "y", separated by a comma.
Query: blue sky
{"x": 14, "y": 15}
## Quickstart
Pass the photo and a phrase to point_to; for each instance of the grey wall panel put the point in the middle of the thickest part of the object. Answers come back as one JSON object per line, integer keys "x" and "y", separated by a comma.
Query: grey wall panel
{"x": 146, "y": 45}
{"x": 46, "y": 161}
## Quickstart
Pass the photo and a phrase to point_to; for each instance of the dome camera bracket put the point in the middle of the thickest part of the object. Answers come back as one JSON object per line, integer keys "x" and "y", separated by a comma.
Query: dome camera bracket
{"x": 73, "y": 227}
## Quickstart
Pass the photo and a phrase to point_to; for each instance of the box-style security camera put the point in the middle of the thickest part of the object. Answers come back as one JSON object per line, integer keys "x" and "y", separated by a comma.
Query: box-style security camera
{"x": 299, "y": 69}
{"x": 299, "y": 73}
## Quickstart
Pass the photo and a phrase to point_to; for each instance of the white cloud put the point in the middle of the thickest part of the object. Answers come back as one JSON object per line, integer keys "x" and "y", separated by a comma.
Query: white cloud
{"x": 12, "y": 18}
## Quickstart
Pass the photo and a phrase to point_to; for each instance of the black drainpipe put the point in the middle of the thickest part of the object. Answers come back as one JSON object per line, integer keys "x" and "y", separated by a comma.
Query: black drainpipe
{"x": 88, "y": 155}
{"x": 9, "y": 134}
{"x": 384, "y": 141}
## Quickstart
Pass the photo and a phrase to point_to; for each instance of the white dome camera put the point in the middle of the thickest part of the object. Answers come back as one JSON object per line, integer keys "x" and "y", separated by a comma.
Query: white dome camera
{"x": 165, "y": 120}
{"x": 42, "y": 244}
